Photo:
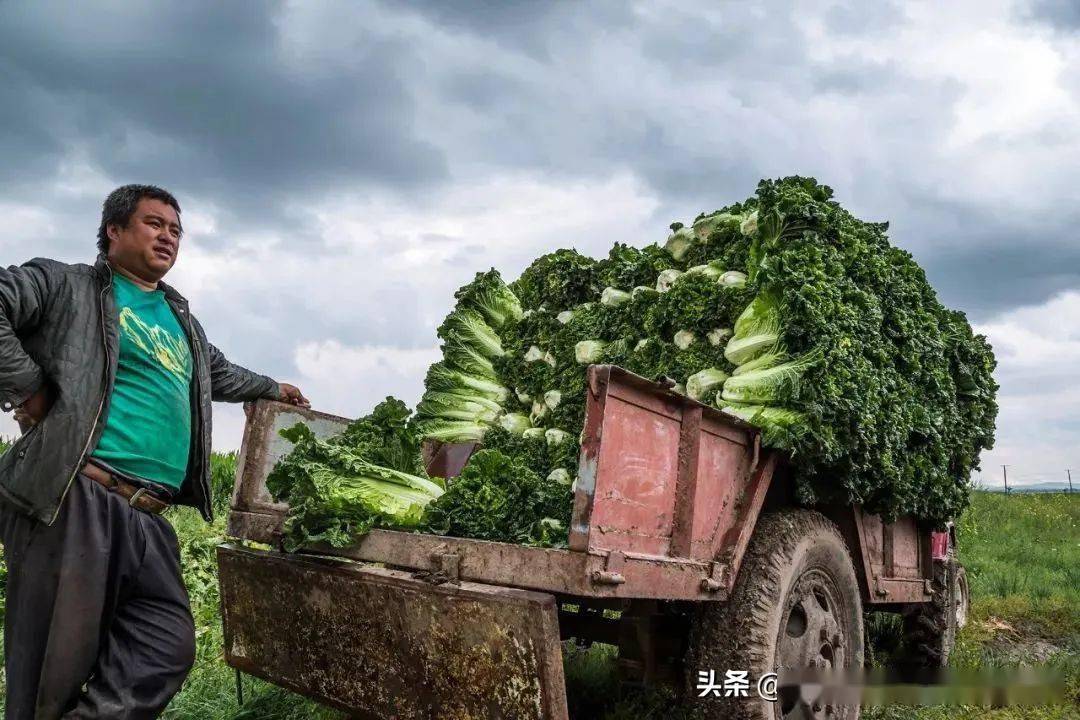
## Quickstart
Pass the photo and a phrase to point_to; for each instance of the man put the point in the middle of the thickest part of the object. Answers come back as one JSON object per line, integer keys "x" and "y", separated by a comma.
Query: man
{"x": 111, "y": 379}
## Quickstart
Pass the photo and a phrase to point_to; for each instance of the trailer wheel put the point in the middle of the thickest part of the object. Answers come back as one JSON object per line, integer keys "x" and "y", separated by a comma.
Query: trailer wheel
{"x": 930, "y": 627}
{"x": 963, "y": 599}
{"x": 796, "y": 603}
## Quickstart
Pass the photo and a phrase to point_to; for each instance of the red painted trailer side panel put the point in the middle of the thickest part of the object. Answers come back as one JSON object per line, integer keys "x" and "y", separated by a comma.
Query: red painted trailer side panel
{"x": 668, "y": 495}
{"x": 661, "y": 474}
{"x": 634, "y": 498}
{"x": 723, "y": 470}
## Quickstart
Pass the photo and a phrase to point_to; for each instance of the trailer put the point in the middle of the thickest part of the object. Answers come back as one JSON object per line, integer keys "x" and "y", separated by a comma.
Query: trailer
{"x": 687, "y": 550}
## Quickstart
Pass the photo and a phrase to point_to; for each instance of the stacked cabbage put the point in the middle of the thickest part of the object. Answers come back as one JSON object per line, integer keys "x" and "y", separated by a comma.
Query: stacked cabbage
{"x": 784, "y": 310}
{"x": 464, "y": 395}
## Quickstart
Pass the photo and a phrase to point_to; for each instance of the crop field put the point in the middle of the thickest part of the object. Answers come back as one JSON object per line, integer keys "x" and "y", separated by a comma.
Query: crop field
{"x": 1022, "y": 553}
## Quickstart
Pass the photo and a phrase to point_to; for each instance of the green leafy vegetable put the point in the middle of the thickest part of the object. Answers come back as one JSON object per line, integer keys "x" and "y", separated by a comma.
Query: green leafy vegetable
{"x": 588, "y": 351}
{"x": 718, "y": 336}
{"x": 555, "y": 436}
{"x": 778, "y": 384}
{"x": 441, "y": 378}
{"x": 679, "y": 242}
{"x": 705, "y": 383}
{"x": 498, "y": 498}
{"x": 820, "y": 332}
{"x": 666, "y": 279}
{"x": 490, "y": 296}
{"x": 463, "y": 356}
{"x": 534, "y": 433}
{"x": 468, "y": 327}
{"x": 762, "y": 362}
{"x": 733, "y": 279}
{"x": 684, "y": 339}
{"x": 515, "y": 423}
{"x": 456, "y": 407}
{"x": 562, "y": 280}
{"x": 560, "y": 476}
{"x": 613, "y": 296}
{"x": 337, "y": 488}
{"x": 451, "y": 431}
{"x": 757, "y": 330}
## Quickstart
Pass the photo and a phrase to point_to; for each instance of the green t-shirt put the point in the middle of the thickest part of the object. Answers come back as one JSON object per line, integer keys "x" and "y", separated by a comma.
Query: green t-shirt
{"x": 148, "y": 430}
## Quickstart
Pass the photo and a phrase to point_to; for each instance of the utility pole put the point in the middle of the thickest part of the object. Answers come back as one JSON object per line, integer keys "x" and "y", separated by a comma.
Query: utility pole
{"x": 1068, "y": 472}
{"x": 1005, "y": 474}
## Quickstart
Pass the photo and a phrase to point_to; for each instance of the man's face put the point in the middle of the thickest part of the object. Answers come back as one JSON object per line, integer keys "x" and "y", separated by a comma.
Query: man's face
{"x": 148, "y": 246}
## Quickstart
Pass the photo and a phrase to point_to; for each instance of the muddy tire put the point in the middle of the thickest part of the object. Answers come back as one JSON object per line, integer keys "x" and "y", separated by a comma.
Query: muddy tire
{"x": 963, "y": 597}
{"x": 930, "y": 627}
{"x": 796, "y": 603}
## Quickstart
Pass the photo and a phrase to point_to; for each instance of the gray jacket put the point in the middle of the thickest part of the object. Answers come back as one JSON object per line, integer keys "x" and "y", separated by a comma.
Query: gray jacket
{"x": 58, "y": 324}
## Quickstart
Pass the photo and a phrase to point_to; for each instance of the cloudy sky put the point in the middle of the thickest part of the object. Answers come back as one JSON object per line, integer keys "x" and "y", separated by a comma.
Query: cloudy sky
{"x": 343, "y": 167}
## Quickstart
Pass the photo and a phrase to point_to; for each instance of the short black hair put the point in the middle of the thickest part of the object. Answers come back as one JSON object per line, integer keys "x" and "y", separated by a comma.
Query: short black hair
{"x": 120, "y": 206}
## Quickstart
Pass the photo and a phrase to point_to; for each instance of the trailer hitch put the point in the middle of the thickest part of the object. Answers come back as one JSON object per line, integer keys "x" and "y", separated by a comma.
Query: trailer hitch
{"x": 717, "y": 580}
{"x": 445, "y": 568}
{"x": 612, "y": 572}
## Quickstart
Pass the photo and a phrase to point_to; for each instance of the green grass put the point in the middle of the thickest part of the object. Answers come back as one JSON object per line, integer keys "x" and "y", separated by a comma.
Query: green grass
{"x": 210, "y": 690}
{"x": 1022, "y": 553}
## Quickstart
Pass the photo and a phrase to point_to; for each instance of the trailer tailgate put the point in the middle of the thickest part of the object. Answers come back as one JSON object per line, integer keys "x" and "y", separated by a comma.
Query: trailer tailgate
{"x": 380, "y": 643}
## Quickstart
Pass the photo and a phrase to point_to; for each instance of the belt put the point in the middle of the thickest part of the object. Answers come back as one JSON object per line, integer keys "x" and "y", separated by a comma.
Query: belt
{"x": 137, "y": 497}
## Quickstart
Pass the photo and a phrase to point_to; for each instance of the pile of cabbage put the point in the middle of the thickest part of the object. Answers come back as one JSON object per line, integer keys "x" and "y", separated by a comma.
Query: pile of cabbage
{"x": 783, "y": 310}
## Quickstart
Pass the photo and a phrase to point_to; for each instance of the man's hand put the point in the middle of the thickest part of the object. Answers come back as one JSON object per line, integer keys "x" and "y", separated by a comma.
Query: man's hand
{"x": 36, "y": 407}
{"x": 291, "y": 394}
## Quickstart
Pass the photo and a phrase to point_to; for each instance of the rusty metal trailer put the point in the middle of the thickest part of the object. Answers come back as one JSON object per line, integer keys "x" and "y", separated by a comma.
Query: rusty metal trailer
{"x": 679, "y": 514}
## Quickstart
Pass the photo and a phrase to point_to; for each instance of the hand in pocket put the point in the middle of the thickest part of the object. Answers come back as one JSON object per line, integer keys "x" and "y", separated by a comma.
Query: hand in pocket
{"x": 36, "y": 407}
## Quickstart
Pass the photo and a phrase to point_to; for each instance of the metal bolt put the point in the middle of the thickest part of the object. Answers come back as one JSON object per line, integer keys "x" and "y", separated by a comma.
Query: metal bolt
{"x": 607, "y": 578}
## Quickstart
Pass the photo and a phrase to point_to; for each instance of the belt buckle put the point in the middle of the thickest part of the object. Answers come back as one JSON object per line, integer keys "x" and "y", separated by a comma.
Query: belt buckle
{"x": 135, "y": 496}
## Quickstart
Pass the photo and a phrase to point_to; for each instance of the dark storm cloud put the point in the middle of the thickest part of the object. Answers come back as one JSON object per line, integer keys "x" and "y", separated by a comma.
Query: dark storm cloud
{"x": 31, "y": 132}
{"x": 985, "y": 261}
{"x": 1001, "y": 275}
{"x": 857, "y": 79}
{"x": 535, "y": 29}
{"x": 262, "y": 330}
{"x": 1063, "y": 14}
{"x": 752, "y": 46}
{"x": 1008, "y": 271}
{"x": 203, "y": 94}
{"x": 212, "y": 101}
{"x": 563, "y": 119}
{"x": 491, "y": 17}
{"x": 855, "y": 17}
{"x": 263, "y": 117}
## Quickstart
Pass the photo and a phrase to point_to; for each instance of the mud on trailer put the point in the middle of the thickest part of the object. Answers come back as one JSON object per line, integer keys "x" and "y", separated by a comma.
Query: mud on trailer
{"x": 682, "y": 524}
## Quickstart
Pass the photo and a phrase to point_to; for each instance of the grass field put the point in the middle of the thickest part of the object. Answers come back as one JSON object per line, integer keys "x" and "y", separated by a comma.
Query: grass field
{"x": 1022, "y": 553}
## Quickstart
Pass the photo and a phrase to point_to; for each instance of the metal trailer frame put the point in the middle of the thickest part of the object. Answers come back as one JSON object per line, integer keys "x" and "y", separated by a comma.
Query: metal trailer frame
{"x": 667, "y": 498}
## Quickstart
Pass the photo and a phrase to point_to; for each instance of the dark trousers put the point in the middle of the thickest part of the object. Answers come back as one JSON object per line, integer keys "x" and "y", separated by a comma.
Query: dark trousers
{"x": 98, "y": 623}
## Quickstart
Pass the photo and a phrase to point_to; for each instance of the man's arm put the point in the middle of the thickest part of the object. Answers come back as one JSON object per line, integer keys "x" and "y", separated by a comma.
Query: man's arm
{"x": 232, "y": 383}
{"x": 24, "y": 294}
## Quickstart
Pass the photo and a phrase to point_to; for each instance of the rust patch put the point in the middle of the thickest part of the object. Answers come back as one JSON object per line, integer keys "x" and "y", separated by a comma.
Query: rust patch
{"x": 377, "y": 643}
{"x": 262, "y": 447}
